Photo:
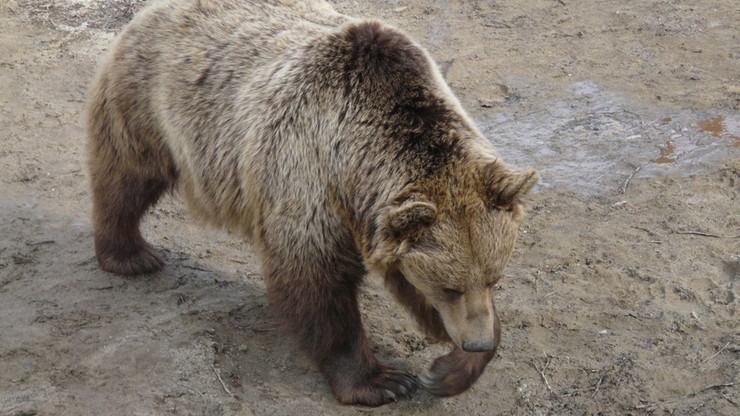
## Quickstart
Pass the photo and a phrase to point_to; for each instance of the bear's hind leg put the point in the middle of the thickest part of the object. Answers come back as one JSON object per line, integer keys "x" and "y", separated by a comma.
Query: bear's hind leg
{"x": 129, "y": 171}
{"x": 323, "y": 314}
{"x": 118, "y": 205}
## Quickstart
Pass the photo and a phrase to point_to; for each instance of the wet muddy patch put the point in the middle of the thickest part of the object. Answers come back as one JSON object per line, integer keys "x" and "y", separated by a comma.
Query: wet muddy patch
{"x": 109, "y": 15}
{"x": 592, "y": 139}
{"x": 666, "y": 153}
{"x": 722, "y": 127}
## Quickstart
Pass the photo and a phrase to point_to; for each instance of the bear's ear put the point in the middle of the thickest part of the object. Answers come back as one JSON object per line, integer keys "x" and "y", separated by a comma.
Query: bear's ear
{"x": 504, "y": 186}
{"x": 398, "y": 224}
{"x": 411, "y": 215}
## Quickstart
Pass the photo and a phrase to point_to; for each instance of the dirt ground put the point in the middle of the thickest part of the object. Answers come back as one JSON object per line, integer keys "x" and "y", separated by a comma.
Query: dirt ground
{"x": 621, "y": 297}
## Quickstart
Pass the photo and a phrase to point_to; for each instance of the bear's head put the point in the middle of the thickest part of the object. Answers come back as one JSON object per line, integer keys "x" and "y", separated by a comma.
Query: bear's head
{"x": 447, "y": 242}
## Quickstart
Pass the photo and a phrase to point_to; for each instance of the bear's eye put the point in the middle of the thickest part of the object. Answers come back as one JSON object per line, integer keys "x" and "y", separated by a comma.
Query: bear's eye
{"x": 452, "y": 294}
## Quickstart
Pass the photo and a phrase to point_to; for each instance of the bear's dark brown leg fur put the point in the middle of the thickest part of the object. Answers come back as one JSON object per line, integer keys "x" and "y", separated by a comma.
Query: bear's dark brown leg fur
{"x": 320, "y": 308}
{"x": 414, "y": 302}
{"x": 128, "y": 174}
{"x": 119, "y": 202}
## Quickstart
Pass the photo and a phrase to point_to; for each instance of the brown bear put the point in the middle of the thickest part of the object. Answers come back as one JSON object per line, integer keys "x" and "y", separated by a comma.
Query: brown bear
{"x": 336, "y": 147}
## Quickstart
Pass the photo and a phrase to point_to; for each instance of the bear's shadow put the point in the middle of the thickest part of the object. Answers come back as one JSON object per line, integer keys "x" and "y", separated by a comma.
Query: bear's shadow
{"x": 255, "y": 356}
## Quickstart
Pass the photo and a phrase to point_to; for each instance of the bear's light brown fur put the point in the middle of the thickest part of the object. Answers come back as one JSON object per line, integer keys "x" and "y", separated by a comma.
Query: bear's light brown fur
{"x": 335, "y": 146}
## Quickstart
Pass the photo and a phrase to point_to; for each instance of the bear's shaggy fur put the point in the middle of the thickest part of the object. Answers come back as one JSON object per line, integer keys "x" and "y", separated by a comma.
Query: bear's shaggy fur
{"x": 336, "y": 147}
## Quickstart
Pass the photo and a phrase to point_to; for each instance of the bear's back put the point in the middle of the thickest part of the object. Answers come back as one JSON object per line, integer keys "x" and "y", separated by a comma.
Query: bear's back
{"x": 199, "y": 74}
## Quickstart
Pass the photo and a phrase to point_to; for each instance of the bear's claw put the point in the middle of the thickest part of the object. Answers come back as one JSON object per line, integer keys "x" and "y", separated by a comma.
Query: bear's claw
{"x": 455, "y": 372}
{"x": 387, "y": 385}
{"x": 401, "y": 383}
{"x": 390, "y": 396}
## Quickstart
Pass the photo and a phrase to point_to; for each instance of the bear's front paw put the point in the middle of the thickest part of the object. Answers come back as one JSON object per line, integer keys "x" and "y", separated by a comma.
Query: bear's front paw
{"x": 455, "y": 372}
{"x": 384, "y": 385}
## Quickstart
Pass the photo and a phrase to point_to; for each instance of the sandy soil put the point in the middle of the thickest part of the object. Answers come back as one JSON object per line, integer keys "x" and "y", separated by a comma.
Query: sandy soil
{"x": 622, "y": 296}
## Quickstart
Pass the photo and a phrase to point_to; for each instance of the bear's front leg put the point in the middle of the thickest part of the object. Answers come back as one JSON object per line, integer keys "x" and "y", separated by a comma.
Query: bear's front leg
{"x": 357, "y": 377}
{"x": 319, "y": 305}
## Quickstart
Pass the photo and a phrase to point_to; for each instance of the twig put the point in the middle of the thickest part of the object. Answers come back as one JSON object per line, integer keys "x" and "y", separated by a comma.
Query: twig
{"x": 650, "y": 233}
{"x": 714, "y": 386}
{"x": 703, "y": 234}
{"x": 226, "y": 389}
{"x": 542, "y": 372}
{"x": 203, "y": 396}
{"x": 717, "y": 353}
{"x": 39, "y": 243}
{"x": 194, "y": 268}
{"x": 548, "y": 295}
{"x": 627, "y": 182}
{"x": 650, "y": 406}
{"x": 596, "y": 390}
{"x": 571, "y": 393}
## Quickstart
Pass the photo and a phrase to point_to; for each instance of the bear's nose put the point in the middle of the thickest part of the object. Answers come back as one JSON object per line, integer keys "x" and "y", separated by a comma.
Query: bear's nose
{"x": 479, "y": 346}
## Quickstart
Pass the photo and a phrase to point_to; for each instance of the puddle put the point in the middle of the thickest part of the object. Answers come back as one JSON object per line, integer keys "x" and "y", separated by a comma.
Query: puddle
{"x": 714, "y": 125}
{"x": 722, "y": 127}
{"x": 666, "y": 151}
{"x": 591, "y": 140}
